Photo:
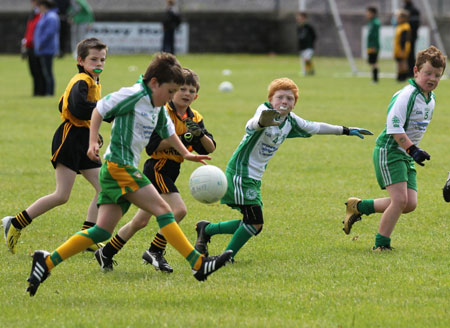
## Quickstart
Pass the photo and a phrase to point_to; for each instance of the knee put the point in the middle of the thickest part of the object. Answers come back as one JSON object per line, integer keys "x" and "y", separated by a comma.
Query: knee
{"x": 410, "y": 207}
{"x": 400, "y": 202}
{"x": 139, "y": 223}
{"x": 61, "y": 199}
{"x": 179, "y": 214}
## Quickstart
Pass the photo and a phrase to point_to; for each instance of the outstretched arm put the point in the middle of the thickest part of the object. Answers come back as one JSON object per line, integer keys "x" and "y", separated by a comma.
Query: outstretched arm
{"x": 325, "y": 128}
{"x": 176, "y": 143}
{"x": 96, "y": 121}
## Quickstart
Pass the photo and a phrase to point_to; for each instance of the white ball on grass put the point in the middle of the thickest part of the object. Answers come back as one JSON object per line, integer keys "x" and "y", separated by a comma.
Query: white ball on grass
{"x": 208, "y": 184}
{"x": 226, "y": 86}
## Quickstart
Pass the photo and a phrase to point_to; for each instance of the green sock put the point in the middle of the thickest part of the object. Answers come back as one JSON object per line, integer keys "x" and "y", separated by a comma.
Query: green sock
{"x": 366, "y": 206}
{"x": 240, "y": 237}
{"x": 381, "y": 240}
{"x": 227, "y": 227}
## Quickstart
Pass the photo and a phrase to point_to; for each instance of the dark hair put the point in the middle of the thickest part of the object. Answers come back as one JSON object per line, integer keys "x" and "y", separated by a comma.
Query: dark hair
{"x": 165, "y": 68}
{"x": 47, "y": 3}
{"x": 85, "y": 45}
{"x": 432, "y": 55}
{"x": 373, "y": 10}
{"x": 303, "y": 14}
{"x": 190, "y": 78}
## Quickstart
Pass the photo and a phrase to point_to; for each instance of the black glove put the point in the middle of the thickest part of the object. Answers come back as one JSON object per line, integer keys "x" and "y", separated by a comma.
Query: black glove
{"x": 419, "y": 155}
{"x": 194, "y": 128}
{"x": 186, "y": 139}
{"x": 446, "y": 191}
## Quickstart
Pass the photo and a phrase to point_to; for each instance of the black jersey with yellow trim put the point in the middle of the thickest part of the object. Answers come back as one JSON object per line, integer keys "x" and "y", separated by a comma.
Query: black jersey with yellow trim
{"x": 79, "y": 99}
{"x": 180, "y": 129}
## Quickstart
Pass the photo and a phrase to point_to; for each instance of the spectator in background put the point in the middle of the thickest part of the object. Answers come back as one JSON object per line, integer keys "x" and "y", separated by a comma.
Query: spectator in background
{"x": 46, "y": 42}
{"x": 373, "y": 40}
{"x": 170, "y": 23}
{"x": 402, "y": 44}
{"x": 82, "y": 17}
{"x": 28, "y": 51}
{"x": 306, "y": 37}
{"x": 64, "y": 26}
{"x": 414, "y": 23}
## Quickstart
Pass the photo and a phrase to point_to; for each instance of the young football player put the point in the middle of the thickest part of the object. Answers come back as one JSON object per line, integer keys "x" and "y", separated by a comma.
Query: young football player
{"x": 137, "y": 111}
{"x": 272, "y": 123}
{"x": 70, "y": 143}
{"x": 163, "y": 168}
{"x": 373, "y": 40}
{"x": 409, "y": 113}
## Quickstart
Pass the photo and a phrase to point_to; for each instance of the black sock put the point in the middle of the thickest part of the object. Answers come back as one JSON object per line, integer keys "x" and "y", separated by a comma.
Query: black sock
{"x": 375, "y": 74}
{"x": 21, "y": 220}
{"x": 158, "y": 244}
{"x": 113, "y": 246}
{"x": 87, "y": 225}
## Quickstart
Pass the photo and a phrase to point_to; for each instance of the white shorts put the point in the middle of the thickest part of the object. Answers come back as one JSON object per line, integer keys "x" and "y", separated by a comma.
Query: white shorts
{"x": 307, "y": 54}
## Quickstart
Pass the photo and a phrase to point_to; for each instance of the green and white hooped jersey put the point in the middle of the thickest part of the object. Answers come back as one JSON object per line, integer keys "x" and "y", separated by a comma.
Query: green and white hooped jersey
{"x": 135, "y": 118}
{"x": 259, "y": 146}
{"x": 409, "y": 112}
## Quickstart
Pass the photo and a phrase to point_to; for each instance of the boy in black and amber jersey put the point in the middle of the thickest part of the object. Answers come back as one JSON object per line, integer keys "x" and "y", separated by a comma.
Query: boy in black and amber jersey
{"x": 163, "y": 168}
{"x": 70, "y": 142}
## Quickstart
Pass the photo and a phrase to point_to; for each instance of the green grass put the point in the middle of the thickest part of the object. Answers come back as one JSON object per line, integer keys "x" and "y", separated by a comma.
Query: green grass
{"x": 301, "y": 271}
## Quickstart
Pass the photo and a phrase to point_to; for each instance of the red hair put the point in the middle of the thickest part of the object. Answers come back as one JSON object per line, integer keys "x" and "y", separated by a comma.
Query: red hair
{"x": 283, "y": 84}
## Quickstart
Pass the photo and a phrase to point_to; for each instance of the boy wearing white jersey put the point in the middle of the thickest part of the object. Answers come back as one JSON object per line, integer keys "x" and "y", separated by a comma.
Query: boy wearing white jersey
{"x": 409, "y": 113}
{"x": 272, "y": 123}
{"x": 137, "y": 111}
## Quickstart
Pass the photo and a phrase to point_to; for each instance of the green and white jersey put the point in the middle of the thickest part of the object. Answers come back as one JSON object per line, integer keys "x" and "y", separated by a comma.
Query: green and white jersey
{"x": 259, "y": 145}
{"x": 409, "y": 112}
{"x": 135, "y": 118}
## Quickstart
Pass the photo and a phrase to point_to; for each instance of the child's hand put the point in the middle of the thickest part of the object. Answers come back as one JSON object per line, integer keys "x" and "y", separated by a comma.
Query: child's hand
{"x": 197, "y": 158}
{"x": 268, "y": 118}
{"x": 419, "y": 155}
{"x": 353, "y": 131}
{"x": 93, "y": 151}
{"x": 194, "y": 128}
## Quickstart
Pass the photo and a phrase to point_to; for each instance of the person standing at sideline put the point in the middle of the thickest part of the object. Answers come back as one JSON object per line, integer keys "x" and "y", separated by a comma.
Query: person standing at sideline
{"x": 373, "y": 40}
{"x": 306, "y": 37}
{"x": 414, "y": 23}
{"x": 170, "y": 23}
{"x": 28, "y": 51}
{"x": 46, "y": 42}
{"x": 82, "y": 17}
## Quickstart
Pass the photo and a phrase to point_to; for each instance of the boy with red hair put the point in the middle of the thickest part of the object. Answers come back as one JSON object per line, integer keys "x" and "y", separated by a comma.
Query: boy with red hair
{"x": 272, "y": 123}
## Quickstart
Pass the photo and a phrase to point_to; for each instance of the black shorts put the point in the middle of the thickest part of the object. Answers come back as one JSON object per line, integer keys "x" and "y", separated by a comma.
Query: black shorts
{"x": 162, "y": 173}
{"x": 372, "y": 58}
{"x": 69, "y": 147}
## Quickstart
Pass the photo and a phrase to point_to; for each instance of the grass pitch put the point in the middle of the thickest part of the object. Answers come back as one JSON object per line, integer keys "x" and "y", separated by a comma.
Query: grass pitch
{"x": 301, "y": 271}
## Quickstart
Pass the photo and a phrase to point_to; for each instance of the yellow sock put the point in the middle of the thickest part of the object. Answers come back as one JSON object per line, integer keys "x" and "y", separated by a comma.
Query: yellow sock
{"x": 175, "y": 237}
{"x": 74, "y": 245}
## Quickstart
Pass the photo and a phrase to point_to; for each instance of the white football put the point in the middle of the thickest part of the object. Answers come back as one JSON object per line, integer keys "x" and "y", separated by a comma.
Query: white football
{"x": 226, "y": 86}
{"x": 208, "y": 184}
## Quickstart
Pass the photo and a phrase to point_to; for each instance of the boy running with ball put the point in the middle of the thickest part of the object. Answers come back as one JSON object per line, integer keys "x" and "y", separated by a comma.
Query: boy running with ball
{"x": 409, "y": 113}
{"x": 137, "y": 111}
{"x": 272, "y": 123}
{"x": 162, "y": 169}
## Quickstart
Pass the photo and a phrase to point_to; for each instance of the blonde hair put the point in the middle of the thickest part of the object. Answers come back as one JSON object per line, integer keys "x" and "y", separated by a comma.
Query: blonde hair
{"x": 283, "y": 84}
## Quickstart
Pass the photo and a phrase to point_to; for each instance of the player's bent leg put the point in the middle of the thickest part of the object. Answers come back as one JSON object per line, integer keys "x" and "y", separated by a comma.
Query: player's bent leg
{"x": 352, "y": 214}
{"x": 412, "y": 201}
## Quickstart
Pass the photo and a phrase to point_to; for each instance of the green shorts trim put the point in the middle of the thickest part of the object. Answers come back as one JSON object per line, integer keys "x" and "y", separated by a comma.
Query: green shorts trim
{"x": 242, "y": 191}
{"x": 117, "y": 180}
{"x": 393, "y": 166}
